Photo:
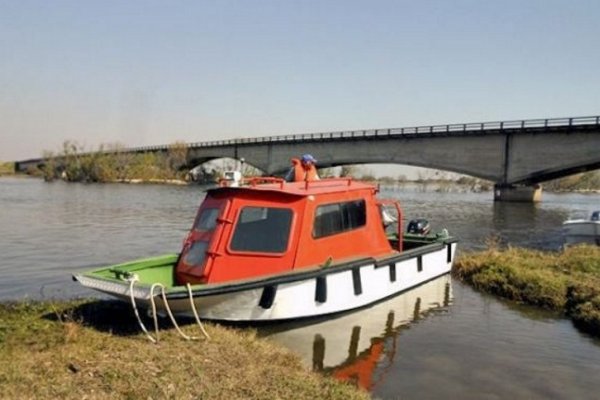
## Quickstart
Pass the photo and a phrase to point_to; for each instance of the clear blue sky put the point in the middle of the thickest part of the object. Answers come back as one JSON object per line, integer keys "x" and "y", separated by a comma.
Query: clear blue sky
{"x": 146, "y": 72}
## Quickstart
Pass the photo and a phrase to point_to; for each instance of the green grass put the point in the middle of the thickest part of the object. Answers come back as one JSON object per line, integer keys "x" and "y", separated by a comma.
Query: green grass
{"x": 567, "y": 281}
{"x": 95, "y": 350}
{"x": 7, "y": 168}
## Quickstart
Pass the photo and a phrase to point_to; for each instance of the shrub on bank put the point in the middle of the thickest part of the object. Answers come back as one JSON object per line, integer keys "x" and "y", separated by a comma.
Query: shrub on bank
{"x": 111, "y": 164}
{"x": 568, "y": 281}
{"x": 7, "y": 168}
{"x": 583, "y": 305}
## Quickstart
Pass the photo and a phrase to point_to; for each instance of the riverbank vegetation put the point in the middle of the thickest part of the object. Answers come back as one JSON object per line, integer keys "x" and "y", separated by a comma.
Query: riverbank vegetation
{"x": 7, "y": 168}
{"x": 567, "y": 281}
{"x": 587, "y": 181}
{"x": 94, "y": 350}
{"x": 111, "y": 164}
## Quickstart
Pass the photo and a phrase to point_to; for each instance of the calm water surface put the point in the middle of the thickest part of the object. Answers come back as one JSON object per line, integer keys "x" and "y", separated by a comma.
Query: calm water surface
{"x": 441, "y": 340}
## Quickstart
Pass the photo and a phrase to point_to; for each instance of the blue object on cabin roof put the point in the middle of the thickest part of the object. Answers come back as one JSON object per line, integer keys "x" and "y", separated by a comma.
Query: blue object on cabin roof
{"x": 306, "y": 158}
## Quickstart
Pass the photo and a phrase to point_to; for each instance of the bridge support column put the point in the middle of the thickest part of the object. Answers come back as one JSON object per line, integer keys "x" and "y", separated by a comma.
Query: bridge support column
{"x": 523, "y": 194}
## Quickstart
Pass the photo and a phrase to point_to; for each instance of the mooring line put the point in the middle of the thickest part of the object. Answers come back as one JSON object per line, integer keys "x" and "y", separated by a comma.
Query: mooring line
{"x": 132, "y": 281}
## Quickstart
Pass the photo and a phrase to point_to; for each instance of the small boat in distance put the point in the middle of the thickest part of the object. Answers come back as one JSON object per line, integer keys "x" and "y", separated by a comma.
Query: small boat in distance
{"x": 582, "y": 230}
{"x": 264, "y": 249}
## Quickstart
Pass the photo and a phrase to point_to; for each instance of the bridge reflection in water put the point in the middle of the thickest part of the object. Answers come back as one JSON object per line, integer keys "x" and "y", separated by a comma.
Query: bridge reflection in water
{"x": 361, "y": 346}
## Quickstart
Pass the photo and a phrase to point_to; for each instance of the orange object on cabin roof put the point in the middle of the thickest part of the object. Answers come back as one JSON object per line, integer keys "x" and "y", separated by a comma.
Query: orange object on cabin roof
{"x": 267, "y": 229}
{"x": 304, "y": 171}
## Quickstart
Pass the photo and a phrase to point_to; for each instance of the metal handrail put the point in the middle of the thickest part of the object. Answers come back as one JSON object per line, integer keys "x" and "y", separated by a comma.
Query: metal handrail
{"x": 414, "y": 130}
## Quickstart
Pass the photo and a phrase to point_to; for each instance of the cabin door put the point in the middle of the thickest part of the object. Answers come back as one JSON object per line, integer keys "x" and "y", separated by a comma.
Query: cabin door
{"x": 391, "y": 217}
{"x": 199, "y": 248}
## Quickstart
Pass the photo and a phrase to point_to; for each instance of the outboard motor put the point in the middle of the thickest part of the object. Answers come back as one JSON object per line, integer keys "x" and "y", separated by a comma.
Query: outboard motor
{"x": 418, "y": 226}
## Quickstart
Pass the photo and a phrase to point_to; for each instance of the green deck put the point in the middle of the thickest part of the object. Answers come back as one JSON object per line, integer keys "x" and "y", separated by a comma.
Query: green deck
{"x": 149, "y": 270}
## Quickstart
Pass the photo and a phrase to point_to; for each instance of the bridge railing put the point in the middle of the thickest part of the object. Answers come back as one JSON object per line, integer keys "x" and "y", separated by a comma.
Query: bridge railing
{"x": 428, "y": 129}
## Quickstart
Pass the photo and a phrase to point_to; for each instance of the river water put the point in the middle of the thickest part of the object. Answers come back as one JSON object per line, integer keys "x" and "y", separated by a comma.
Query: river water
{"x": 441, "y": 340}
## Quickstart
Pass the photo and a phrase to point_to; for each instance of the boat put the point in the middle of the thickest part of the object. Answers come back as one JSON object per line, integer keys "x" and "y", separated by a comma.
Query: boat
{"x": 263, "y": 249}
{"x": 582, "y": 230}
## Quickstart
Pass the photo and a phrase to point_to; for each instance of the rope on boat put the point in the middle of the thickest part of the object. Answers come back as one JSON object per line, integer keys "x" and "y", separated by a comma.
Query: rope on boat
{"x": 132, "y": 281}
{"x": 154, "y": 313}
{"x": 166, "y": 303}
{"x": 189, "y": 288}
{"x": 167, "y": 307}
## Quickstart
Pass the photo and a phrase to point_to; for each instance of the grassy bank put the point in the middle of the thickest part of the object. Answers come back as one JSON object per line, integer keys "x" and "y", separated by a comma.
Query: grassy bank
{"x": 7, "y": 168}
{"x": 94, "y": 350}
{"x": 568, "y": 281}
{"x": 586, "y": 181}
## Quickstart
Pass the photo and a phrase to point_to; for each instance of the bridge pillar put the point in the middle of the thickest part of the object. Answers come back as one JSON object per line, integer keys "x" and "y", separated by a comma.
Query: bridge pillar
{"x": 513, "y": 193}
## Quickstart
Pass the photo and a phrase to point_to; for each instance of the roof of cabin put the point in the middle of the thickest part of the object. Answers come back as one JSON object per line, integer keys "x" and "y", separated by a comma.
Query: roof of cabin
{"x": 323, "y": 186}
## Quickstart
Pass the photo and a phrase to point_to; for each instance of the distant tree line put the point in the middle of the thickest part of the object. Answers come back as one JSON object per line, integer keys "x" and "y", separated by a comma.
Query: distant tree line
{"x": 110, "y": 163}
{"x": 578, "y": 182}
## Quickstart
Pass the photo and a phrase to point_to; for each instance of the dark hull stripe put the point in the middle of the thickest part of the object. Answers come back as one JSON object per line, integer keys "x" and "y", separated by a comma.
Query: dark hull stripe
{"x": 357, "y": 283}
{"x": 268, "y": 297}
{"x": 321, "y": 289}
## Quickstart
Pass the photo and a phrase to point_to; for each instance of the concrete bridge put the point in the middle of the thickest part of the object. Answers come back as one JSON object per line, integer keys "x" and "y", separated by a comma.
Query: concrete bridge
{"x": 516, "y": 155}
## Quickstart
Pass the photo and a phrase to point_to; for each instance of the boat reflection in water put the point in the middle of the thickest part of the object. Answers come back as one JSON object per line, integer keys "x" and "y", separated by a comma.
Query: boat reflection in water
{"x": 360, "y": 346}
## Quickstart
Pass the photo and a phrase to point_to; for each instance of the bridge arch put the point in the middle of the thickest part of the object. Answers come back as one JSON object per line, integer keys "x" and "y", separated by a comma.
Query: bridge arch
{"x": 431, "y": 166}
{"x": 214, "y": 166}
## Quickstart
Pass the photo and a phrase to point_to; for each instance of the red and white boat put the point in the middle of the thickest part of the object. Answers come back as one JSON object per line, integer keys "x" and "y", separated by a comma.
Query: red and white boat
{"x": 271, "y": 250}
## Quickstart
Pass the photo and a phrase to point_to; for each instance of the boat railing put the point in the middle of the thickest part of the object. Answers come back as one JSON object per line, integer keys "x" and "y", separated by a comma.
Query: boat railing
{"x": 257, "y": 180}
{"x": 320, "y": 182}
{"x": 251, "y": 181}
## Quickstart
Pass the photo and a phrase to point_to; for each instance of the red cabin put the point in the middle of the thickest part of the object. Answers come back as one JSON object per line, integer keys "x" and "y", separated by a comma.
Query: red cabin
{"x": 278, "y": 227}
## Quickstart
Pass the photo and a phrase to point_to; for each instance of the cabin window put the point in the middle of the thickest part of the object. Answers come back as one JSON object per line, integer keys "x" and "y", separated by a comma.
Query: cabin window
{"x": 339, "y": 217}
{"x": 196, "y": 254}
{"x": 207, "y": 221}
{"x": 262, "y": 230}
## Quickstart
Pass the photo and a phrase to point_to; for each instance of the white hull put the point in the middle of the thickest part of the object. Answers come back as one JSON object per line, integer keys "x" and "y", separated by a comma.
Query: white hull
{"x": 326, "y": 292}
{"x": 581, "y": 231}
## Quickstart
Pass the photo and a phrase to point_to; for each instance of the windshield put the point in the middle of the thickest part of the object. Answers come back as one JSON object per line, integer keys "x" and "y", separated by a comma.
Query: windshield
{"x": 262, "y": 229}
